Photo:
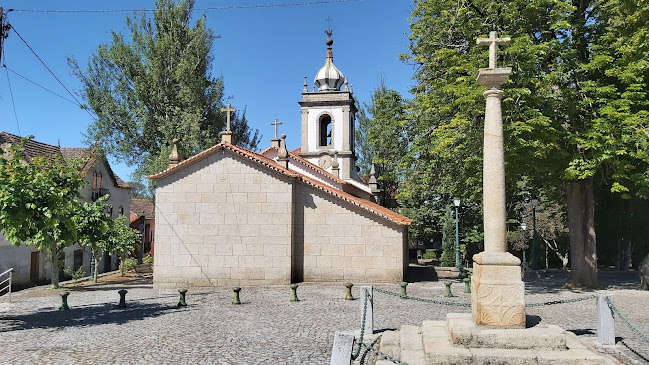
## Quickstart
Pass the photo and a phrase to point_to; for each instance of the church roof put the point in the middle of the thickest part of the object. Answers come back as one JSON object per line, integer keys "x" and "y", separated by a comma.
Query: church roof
{"x": 366, "y": 205}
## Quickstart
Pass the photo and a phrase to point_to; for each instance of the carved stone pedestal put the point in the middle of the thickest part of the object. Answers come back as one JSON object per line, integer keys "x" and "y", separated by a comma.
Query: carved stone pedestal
{"x": 497, "y": 291}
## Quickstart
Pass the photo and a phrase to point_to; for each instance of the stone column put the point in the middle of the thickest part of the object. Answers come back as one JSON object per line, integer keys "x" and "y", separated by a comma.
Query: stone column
{"x": 496, "y": 287}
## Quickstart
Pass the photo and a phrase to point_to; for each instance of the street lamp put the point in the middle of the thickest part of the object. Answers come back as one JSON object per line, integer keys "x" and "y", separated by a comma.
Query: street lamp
{"x": 458, "y": 263}
{"x": 535, "y": 263}
{"x": 524, "y": 227}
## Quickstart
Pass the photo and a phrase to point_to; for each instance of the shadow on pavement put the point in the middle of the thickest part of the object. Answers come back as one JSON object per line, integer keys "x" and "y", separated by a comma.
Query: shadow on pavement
{"x": 85, "y": 316}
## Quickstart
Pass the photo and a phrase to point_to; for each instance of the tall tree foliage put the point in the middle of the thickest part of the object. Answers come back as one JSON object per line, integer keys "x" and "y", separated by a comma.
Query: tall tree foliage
{"x": 157, "y": 87}
{"x": 575, "y": 107}
{"x": 38, "y": 202}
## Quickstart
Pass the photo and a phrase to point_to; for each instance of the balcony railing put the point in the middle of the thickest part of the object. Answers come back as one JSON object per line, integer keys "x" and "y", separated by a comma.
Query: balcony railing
{"x": 5, "y": 283}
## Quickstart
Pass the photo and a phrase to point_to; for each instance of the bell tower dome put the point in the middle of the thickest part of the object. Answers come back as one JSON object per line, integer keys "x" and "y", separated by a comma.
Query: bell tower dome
{"x": 328, "y": 117}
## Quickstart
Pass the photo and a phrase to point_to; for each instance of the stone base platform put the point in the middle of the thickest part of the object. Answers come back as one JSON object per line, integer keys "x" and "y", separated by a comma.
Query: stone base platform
{"x": 458, "y": 340}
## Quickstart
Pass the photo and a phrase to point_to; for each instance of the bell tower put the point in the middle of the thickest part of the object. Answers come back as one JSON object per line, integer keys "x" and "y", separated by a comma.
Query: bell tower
{"x": 328, "y": 117}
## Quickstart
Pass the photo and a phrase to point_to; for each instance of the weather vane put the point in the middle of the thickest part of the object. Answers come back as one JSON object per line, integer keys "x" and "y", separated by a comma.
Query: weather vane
{"x": 329, "y": 20}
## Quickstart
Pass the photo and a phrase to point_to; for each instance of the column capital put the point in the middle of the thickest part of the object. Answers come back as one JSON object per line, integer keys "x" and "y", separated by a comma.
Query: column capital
{"x": 497, "y": 93}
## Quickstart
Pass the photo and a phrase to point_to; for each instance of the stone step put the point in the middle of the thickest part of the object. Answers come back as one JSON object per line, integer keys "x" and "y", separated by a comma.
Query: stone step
{"x": 541, "y": 345}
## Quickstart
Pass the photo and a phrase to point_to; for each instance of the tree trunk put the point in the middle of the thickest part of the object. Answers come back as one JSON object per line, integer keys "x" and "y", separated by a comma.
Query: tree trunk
{"x": 96, "y": 272}
{"x": 581, "y": 223}
{"x": 54, "y": 266}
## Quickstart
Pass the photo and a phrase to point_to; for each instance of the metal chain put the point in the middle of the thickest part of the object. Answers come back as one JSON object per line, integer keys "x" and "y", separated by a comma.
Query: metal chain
{"x": 384, "y": 355}
{"x": 362, "y": 361}
{"x": 442, "y": 302}
{"x": 360, "y": 338}
{"x": 632, "y": 327}
{"x": 552, "y": 302}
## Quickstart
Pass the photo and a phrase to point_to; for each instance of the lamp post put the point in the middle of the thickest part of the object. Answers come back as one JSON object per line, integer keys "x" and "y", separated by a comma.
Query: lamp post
{"x": 535, "y": 262}
{"x": 524, "y": 227}
{"x": 458, "y": 263}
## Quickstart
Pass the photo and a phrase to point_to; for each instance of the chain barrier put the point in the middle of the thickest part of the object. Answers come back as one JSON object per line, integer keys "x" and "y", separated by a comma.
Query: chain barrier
{"x": 632, "y": 327}
{"x": 360, "y": 338}
{"x": 442, "y": 302}
{"x": 552, "y": 302}
{"x": 363, "y": 357}
{"x": 383, "y": 355}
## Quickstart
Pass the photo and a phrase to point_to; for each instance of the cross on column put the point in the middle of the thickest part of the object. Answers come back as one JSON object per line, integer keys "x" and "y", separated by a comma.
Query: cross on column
{"x": 228, "y": 110}
{"x": 493, "y": 42}
{"x": 276, "y": 123}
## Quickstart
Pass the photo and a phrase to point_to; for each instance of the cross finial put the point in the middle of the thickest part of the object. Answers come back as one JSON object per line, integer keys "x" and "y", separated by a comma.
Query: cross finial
{"x": 329, "y": 20}
{"x": 228, "y": 110}
{"x": 276, "y": 123}
{"x": 493, "y": 42}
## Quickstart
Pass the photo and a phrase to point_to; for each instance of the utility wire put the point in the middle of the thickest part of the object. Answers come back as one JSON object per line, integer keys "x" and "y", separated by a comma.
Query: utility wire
{"x": 52, "y": 73}
{"x": 195, "y": 9}
{"x": 41, "y": 86}
{"x": 12, "y": 101}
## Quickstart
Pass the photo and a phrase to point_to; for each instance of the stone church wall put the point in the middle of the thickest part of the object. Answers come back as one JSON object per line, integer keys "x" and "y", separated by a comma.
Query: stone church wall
{"x": 223, "y": 221}
{"x": 336, "y": 241}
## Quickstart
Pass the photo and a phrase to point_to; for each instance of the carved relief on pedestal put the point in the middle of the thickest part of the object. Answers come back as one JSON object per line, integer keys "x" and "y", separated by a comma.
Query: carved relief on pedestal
{"x": 500, "y": 305}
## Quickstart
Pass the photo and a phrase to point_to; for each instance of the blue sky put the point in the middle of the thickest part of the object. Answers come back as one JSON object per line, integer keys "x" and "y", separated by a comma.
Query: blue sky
{"x": 263, "y": 55}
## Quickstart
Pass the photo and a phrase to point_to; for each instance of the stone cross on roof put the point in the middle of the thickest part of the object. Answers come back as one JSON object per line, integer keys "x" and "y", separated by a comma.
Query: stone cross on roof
{"x": 493, "y": 42}
{"x": 228, "y": 110}
{"x": 276, "y": 123}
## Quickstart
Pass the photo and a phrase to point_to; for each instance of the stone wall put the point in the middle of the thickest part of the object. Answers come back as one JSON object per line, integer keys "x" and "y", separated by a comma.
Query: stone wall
{"x": 337, "y": 241}
{"x": 223, "y": 221}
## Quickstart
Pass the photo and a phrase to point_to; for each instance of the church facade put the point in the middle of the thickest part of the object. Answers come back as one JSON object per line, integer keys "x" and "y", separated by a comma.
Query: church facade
{"x": 230, "y": 216}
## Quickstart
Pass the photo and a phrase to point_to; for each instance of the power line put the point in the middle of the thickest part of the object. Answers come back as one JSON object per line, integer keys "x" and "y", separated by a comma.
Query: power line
{"x": 41, "y": 86}
{"x": 12, "y": 102}
{"x": 195, "y": 9}
{"x": 52, "y": 73}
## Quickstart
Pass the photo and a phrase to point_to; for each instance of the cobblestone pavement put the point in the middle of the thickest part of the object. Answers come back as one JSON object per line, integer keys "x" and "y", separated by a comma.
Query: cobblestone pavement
{"x": 265, "y": 329}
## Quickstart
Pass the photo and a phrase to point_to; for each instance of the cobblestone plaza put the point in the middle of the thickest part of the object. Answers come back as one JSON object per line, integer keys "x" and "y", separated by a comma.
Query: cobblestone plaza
{"x": 266, "y": 328}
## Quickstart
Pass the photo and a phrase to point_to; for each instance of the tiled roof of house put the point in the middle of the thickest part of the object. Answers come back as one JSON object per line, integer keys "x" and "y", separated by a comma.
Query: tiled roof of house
{"x": 32, "y": 148}
{"x": 139, "y": 206}
{"x": 272, "y": 165}
{"x": 35, "y": 148}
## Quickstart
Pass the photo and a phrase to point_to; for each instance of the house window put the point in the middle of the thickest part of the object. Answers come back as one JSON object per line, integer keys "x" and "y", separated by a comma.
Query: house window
{"x": 110, "y": 212}
{"x": 121, "y": 210}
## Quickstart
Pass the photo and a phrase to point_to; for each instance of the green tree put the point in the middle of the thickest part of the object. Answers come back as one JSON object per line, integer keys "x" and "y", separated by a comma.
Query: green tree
{"x": 38, "y": 202}
{"x": 94, "y": 225}
{"x": 122, "y": 239}
{"x": 575, "y": 107}
{"x": 156, "y": 87}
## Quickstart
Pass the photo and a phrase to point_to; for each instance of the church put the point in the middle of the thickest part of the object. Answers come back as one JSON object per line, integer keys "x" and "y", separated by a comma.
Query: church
{"x": 228, "y": 216}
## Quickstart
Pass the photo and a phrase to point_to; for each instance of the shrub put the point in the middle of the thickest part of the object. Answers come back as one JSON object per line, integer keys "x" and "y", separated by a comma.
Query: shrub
{"x": 430, "y": 254}
{"x": 127, "y": 265}
{"x": 147, "y": 260}
{"x": 76, "y": 275}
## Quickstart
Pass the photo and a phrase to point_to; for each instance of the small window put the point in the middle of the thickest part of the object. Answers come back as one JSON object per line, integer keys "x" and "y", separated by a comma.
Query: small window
{"x": 325, "y": 131}
{"x": 121, "y": 210}
{"x": 110, "y": 212}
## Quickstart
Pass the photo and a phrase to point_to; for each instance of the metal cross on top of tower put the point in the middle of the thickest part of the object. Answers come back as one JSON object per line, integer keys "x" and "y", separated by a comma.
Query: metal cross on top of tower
{"x": 276, "y": 123}
{"x": 493, "y": 42}
{"x": 228, "y": 110}
{"x": 329, "y": 20}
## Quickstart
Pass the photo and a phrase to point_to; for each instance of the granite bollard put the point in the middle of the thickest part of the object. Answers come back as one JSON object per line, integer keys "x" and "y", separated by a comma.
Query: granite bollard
{"x": 235, "y": 299}
{"x": 605, "y": 321}
{"x": 403, "y": 285}
{"x": 122, "y": 298}
{"x": 64, "y": 301}
{"x": 348, "y": 294}
{"x": 181, "y": 302}
{"x": 294, "y": 297}
{"x": 447, "y": 292}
